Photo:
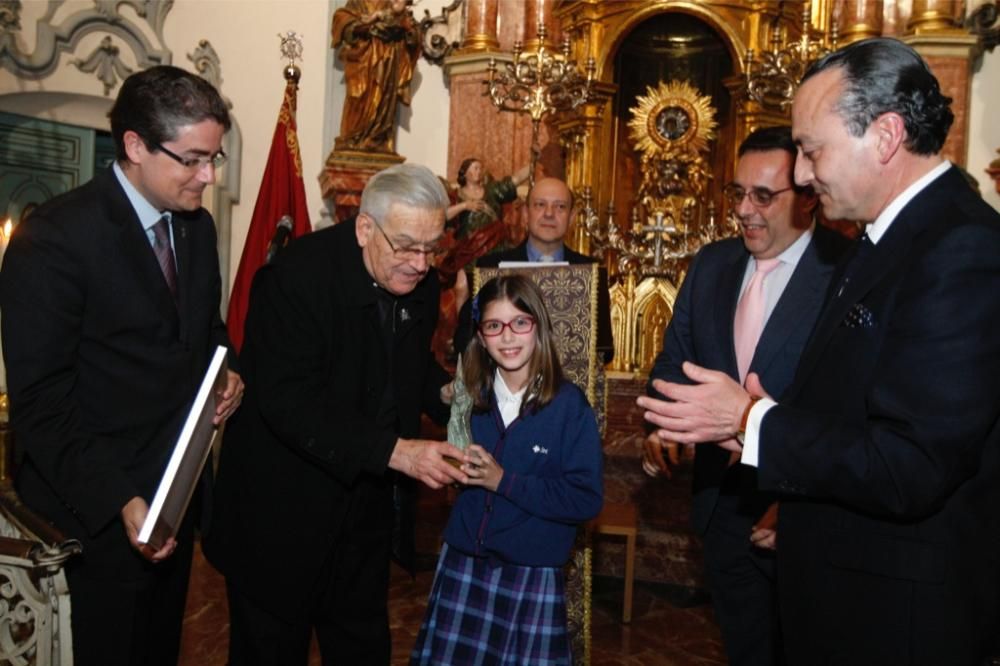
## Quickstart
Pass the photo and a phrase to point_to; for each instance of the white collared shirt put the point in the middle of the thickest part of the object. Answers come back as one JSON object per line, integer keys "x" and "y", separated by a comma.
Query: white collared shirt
{"x": 508, "y": 403}
{"x": 885, "y": 219}
{"x": 146, "y": 212}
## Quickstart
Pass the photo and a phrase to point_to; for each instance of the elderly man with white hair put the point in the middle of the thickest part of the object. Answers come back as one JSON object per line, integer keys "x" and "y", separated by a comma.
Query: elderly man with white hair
{"x": 338, "y": 368}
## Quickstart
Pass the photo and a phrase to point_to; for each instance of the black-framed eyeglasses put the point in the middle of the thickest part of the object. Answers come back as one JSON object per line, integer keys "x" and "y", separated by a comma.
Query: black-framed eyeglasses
{"x": 216, "y": 160}
{"x": 410, "y": 251}
{"x": 759, "y": 196}
{"x": 520, "y": 325}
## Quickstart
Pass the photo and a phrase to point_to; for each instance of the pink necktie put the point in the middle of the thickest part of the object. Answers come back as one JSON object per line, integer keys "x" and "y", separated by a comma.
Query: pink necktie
{"x": 749, "y": 321}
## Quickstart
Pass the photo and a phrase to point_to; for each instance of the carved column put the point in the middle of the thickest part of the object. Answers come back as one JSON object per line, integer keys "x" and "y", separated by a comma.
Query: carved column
{"x": 860, "y": 19}
{"x": 932, "y": 16}
{"x": 480, "y": 26}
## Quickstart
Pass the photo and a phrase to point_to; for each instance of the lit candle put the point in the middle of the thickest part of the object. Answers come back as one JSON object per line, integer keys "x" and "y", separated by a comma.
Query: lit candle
{"x": 4, "y": 238}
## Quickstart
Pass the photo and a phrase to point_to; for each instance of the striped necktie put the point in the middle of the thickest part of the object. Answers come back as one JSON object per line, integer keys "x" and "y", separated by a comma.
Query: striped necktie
{"x": 165, "y": 254}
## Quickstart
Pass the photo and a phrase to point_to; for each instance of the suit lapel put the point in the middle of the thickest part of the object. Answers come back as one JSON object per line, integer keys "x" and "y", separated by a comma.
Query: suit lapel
{"x": 182, "y": 255}
{"x": 137, "y": 252}
{"x": 884, "y": 257}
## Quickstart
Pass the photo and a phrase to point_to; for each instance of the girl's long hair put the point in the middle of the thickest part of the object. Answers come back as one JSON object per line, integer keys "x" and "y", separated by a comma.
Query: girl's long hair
{"x": 478, "y": 367}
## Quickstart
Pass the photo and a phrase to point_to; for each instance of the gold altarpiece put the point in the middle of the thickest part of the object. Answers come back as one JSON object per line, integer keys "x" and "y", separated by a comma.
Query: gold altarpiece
{"x": 593, "y": 140}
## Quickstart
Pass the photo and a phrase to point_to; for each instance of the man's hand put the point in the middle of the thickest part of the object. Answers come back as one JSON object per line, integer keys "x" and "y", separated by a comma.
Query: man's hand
{"x": 653, "y": 462}
{"x": 424, "y": 460}
{"x": 708, "y": 411}
{"x": 231, "y": 398}
{"x": 765, "y": 533}
{"x": 133, "y": 516}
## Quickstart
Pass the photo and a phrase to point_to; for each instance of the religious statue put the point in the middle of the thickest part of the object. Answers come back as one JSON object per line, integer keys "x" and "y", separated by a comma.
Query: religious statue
{"x": 379, "y": 44}
{"x": 476, "y": 227}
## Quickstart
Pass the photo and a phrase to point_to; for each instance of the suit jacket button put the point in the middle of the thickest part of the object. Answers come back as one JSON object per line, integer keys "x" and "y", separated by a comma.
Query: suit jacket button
{"x": 311, "y": 442}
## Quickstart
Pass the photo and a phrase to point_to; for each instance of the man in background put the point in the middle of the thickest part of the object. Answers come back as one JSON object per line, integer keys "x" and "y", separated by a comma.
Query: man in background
{"x": 550, "y": 209}
{"x": 747, "y": 304}
{"x": 110, "y": 301}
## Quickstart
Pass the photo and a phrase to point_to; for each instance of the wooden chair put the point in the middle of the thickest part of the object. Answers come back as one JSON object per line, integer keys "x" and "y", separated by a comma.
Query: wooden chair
{"x": 621, "y": 520}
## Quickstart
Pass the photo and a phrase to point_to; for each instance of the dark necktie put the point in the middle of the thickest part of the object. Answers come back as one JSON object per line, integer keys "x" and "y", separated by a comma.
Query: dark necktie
{"x": 864, "y": 248}
{"x": 164, "y": 254}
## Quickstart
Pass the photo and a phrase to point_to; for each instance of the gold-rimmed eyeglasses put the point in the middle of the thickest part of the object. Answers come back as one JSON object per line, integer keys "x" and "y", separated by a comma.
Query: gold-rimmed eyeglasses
{"x": 759, "y": 196}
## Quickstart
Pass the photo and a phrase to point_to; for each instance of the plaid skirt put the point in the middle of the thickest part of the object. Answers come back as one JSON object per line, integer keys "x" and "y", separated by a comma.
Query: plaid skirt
{"x": 482, "y": 613}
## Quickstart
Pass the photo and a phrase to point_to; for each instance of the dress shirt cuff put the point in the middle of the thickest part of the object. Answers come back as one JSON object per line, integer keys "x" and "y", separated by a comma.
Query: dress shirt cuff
{"x": 751, "y": 440}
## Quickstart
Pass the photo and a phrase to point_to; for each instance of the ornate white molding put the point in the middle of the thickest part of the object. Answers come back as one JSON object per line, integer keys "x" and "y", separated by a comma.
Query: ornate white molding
{"x": 206, "y": 62}
{"x": 53, "y": 40}
{"x": 227, "y": 188}
{"x": 104, "y": 63}
{"x": 107, "y": 65}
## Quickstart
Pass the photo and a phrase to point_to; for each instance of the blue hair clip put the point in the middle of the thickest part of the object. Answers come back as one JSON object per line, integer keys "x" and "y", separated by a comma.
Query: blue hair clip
{"x": 475, "y": 308}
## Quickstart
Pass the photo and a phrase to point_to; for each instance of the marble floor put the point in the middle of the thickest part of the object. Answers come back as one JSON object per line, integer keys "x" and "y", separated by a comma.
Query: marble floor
{"x": 671, "y": 625}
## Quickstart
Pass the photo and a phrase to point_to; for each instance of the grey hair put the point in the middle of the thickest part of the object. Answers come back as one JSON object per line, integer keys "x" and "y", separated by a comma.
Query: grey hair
{"x": 884, "y": 75}
{"x": 410, "y": 185}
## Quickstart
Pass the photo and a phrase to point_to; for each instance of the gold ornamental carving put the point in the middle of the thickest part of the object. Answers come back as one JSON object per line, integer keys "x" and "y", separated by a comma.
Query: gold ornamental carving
{"x": 539, "y": 83}
{"x": 671, "y": 126}
{"x": 674, "y": 116}
{"x": 773, "y": 74}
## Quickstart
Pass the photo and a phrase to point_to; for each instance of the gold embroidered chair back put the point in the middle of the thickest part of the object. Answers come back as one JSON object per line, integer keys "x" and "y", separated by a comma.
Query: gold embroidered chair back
{"x": 571, "y": 298}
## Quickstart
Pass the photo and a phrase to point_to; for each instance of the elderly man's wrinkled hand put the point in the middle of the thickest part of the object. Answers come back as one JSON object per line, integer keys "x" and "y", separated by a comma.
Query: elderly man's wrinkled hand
{"x": 428, "y": 461}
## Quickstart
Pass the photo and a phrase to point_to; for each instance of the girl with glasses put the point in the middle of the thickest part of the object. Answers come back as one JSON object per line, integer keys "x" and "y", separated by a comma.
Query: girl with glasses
{"x": 534, "y": 475}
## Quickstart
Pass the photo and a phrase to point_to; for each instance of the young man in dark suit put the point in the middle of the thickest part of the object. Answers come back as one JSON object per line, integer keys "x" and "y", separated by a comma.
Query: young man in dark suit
{"x": 886, "y": 448}
{"x": 776, "y": 224}
{"x": 550, "y": 209}
{"x": 110, "y": 299}
{"x": 338, "y": 366}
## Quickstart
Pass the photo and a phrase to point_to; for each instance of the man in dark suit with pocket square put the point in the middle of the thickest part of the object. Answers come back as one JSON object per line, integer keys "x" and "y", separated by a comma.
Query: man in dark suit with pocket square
{"x": 110, "y": 296}
{"x": 713, "y": 326}
{"x": 886, "y": 448}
